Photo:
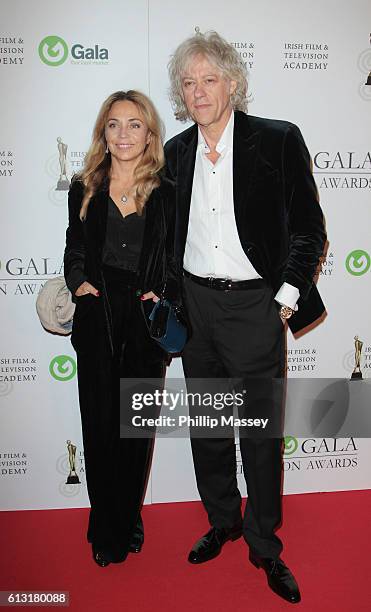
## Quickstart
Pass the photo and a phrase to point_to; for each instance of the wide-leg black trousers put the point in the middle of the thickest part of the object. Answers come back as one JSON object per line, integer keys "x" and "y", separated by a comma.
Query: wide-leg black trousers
{"x": 238, "y": 334}
{"x": 116, "y": 468}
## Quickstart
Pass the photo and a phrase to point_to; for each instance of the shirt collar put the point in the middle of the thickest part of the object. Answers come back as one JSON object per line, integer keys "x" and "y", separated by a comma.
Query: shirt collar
{"x": 226, "y": 140}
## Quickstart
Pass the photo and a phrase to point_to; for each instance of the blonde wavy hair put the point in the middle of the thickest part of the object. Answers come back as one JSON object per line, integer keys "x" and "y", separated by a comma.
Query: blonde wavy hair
{"x": 97, "y": 164}
{"x": 219, "y": 52}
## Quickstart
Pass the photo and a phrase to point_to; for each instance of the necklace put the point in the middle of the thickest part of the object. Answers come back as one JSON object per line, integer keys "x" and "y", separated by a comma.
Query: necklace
{"x": 126, "y": 191}
{"x": 125, "y": 196}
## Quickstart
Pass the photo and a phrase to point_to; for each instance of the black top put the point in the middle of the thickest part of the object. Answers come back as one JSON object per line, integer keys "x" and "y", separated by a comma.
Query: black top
{"x": 124, "y": 238}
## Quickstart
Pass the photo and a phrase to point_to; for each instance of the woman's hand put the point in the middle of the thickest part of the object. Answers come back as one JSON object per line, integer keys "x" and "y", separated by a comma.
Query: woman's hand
{"x": 149, "y": 296}
{"x": 86, "y": 288}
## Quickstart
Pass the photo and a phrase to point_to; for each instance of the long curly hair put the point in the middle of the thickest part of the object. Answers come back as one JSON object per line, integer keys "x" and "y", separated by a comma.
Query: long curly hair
{"x": 97, "y": 163}
{"x": 219, "y": 52}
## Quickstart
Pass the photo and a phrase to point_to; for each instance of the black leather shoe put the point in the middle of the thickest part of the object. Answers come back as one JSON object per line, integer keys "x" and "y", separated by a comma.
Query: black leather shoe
{"x": 280, "y": 579}
{"x": 211, "y": 544}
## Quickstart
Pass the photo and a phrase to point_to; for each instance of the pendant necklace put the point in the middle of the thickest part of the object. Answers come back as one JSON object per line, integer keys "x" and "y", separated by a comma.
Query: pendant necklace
{"x": 125, "y": 196}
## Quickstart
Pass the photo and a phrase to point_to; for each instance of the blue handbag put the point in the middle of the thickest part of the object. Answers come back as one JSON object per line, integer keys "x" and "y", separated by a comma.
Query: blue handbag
{"x": 166, "y": 327}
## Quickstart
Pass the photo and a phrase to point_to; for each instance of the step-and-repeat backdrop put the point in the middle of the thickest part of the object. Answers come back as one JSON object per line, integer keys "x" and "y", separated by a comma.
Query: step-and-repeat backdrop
{"x": 309, "y": 64}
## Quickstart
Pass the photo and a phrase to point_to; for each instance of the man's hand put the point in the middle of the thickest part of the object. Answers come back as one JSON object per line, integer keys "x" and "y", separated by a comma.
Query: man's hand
{"x": 86, "y": 288}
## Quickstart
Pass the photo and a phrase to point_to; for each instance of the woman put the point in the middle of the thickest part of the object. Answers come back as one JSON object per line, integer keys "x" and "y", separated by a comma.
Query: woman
{"x": 118, "y": 258}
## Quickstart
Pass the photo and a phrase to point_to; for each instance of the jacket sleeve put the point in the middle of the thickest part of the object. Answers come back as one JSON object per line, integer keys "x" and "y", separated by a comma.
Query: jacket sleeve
{"x": 305, "y": 218}
{"x": 74, "y": 253}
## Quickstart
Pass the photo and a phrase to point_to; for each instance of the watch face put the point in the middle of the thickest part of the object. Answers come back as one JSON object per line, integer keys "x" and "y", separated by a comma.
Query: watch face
{"x": 286, "y": 312}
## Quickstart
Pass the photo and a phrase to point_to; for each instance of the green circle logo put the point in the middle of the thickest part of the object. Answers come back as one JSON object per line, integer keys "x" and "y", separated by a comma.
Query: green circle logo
{"x": 358, "y": 262}
{"x": 62, "y": 367}
{"x": 291, "y": 444}
{"x": 53, "y": 50}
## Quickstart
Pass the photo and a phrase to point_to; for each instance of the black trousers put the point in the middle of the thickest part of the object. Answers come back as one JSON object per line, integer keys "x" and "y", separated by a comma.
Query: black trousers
{"x": 237, "y": 334}
{"x": 116, "y": 468}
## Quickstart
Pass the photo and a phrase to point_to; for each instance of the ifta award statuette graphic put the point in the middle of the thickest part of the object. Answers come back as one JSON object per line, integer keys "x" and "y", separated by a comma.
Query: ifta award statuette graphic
{"x": 368, "y": 82}
{"x": 357, "y": 374}
{"x": 63, "y": 182}
{"x": 72, "y": 476}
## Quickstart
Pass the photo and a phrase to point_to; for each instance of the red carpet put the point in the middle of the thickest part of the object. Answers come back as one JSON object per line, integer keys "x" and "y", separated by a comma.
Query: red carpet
{"x": 327, "y": 543}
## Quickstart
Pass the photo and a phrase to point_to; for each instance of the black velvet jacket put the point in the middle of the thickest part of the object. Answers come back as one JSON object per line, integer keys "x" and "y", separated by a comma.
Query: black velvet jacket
{"x": 85, "y": 242}
{"x": 279, "y": 220}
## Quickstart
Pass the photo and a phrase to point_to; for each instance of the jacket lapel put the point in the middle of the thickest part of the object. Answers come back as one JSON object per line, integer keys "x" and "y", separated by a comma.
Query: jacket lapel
{"x": 187, "y": 148}
{"x": 98, "y": 210}
{"x": 102, "y": 206}
{"x": 245, "y": 154}
{"x": 96, "y": 220}
{"x": 152, "y": 227}
{"x": 249, "y": 167}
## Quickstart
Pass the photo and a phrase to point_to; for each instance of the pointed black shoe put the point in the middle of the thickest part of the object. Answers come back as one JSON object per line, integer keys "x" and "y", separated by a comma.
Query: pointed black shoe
{"x": 103, "y": 558}
{"x": 100, "y": 558}
{"x": 280, "y": 579}
{"x": 137, "y": 538}
{"x": 136, "y": 542}
{"x": 211, "y": 544}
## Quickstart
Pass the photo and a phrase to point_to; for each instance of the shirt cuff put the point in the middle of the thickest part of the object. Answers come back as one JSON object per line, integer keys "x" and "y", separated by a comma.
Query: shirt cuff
{"x": 288, "y": 295}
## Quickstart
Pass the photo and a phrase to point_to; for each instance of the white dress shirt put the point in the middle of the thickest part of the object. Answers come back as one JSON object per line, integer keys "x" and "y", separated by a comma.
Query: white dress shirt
{"x": 213, "y": 247}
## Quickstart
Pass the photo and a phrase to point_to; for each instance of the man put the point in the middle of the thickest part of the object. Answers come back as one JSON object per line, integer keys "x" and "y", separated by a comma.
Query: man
{"x": 249, "y": 237}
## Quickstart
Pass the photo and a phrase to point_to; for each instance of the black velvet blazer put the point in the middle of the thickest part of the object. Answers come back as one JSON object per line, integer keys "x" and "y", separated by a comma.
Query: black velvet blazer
{"x": 279, "y": 220}
{"x": 85, "y": 242}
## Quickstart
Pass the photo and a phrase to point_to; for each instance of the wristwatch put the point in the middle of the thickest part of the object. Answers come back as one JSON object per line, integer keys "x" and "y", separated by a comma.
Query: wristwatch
{"x": 286, "y": 312}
